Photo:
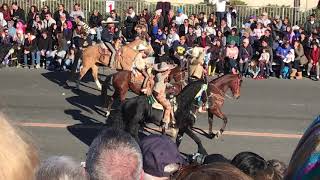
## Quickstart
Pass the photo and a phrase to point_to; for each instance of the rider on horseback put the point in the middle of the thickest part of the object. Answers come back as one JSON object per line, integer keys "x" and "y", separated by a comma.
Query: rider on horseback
{"x": 141, "y": 65}
{"x": 163, "y": 71}
{"x": 107, "y": 36}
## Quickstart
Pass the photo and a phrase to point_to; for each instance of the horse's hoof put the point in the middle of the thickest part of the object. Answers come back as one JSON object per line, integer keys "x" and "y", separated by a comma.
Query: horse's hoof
{"x": 211, "y": 135}
{"x": 107, "y": 114}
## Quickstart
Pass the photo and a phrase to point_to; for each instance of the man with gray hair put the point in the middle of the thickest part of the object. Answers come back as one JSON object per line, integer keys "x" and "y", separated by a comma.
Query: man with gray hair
{"x": 114, "y": 155}
{"x": 62, "y": 168}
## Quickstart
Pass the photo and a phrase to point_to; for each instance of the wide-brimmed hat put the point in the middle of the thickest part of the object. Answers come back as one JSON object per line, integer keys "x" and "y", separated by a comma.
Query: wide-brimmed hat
{"x": 163, "y": 66}
{"x": 141, "y": 47}
{"x": 109, "y": 21}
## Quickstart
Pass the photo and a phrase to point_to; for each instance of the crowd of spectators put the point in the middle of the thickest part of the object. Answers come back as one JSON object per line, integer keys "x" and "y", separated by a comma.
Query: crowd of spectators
{"x": 262, "y": 47}
{"x": 115, "y": 155}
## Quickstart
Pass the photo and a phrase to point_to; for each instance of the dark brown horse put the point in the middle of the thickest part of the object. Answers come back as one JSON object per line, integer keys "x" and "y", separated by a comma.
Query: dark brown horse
{"x": 137, "y": 111}
{"x": 121, "y": 82}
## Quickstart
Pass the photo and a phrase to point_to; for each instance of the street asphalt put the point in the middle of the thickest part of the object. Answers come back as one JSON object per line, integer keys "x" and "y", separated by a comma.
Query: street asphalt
{"x": 268, "y": 119}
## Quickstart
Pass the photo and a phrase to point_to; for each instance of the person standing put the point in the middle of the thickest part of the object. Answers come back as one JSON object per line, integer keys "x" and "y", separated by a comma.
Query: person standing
{"x": 221, "y": 8}
{"x": 130, "y": 22}
{"x": 314, "y": 59}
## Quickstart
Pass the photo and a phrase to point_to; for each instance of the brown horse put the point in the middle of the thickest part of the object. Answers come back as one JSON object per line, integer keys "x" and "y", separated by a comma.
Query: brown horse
{"x": 121, "y": 82}
{"x": 94, "y": 55}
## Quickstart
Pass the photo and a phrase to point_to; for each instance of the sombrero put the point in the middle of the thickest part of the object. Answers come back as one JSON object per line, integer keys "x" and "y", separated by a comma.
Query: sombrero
{"x": 109, "y": 21}
{"x": 161, "y": 67}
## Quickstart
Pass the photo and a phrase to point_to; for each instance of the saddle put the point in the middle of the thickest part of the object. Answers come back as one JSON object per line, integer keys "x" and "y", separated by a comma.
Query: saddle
{"x": 156, "y": 105}
{"x": 103, "y": 49}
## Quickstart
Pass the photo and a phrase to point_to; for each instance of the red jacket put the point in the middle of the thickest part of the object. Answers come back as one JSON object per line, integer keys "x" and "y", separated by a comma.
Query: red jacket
{"x": 315, "y": 55}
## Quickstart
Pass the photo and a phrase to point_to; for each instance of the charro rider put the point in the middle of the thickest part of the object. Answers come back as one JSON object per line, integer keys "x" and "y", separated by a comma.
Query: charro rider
{"x": 141, "y": 65}
{"x": 108, "y": 37}
{"x": 162, "y": 72}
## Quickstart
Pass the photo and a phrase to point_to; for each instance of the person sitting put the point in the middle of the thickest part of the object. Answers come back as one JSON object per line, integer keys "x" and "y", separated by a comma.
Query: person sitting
{"x": 179, "y": 52}
{"x": 140, "y": 64}
{"x": 107, "y": 36}
{"x": 162, "y": 72}
{"x": 263, "y": 61}
{"x": 232, "y": 53}
{"x": 254, "y": 69}
{"x": 196, "y": 69}
{"x": 289, "y": 59}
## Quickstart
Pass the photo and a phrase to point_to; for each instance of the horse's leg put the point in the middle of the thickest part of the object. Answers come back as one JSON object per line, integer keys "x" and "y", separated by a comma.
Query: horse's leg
{"x": 217, "y": 111}
{"x": 210, "y": 121}
{"x": 95, "y": 70}
{"x": 201, "y": 149}
{"x": 179, "y": 137}
{"x": 83, "y": 72}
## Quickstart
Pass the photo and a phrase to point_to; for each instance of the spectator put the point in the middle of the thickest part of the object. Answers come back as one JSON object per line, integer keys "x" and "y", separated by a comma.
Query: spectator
{"x": 61, "y": 21}
{"x": 184, "y": 28}
{"x": 162, "y": 51}
{"x": 145, "y": 15}
{"x": 220, "y": 8}
{"x": 45, "y": 11}
{"x": 210, "y": 30}
{"x": 311, "y": 24}
{"x": 234, "y": 37}
{"x": 61, "y": 11}
{"x": 161, "y": 157}
{"x": 95, "y": 25}
{"x": 33, "y": 24}
{"x": 193, "y": 20}
{"x": 17, "y": 13}
{"x": 60, "y": 167}
{"x": 314, "y": 59}
{"x": 217, "y": 56}
{"x": 204, "y": 40}
{"x": 232, "y": 53}
{"x": 159, "y": 18}
{"x": 19, "y": 157}
{"x": 279, "y": 167}
{"x": 30, "y": 50}
{"x": 33, "y": 12}
{"x": 45, "y": 46}
{"x": 85, "y": 34}
{"x": 254, "y": 69}
{"x": 6, "y": 12}
{"x": 222, "y": 38}
{"x": 264, "y": 19}
{"x": 172, "y": 38}
{"x": 160, "y": 35}
{"x": 180, "y": 17}
{"x": 264, "y": 44}
{"x": 268, "y": 174}
{"x": 168, "y": 19}
{"x": 245, "y": 55}
{"x": 231, "y": 16}
{"x": 268, "y": 37}
{"x": 3, "y": 22}
{"x": 263, "y": 61}
{"x": 198, "y": 30}
{"x": 300, "y": 60}
{"x": 131, "y": 21}
{"x": 214, "y": 171}
{"x": 285, "y": 24}
{"x": 48, "y": 21}
{"x": 277, "y": 23}
{"x": 249, "y": 163}
{"x": 180, "y": 51}
{"x": 77, "y": 12}
{"x": 190, "y": 37}
{"x": 282, "y": 53}
{"x": 224, "y": 27}
{"x": 114, "y": 154}
{"x": 115, "y": 17}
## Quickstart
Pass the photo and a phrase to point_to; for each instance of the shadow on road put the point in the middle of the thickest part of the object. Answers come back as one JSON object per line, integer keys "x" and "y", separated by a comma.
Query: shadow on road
{"x": 85, "y": 133}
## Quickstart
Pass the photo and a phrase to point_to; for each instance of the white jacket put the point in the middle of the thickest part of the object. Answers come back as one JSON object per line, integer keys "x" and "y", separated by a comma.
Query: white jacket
{"x": 2, "y": 21}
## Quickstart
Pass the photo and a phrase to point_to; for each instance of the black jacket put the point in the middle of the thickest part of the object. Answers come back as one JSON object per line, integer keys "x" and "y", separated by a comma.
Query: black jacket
{"x": 45, "y": 44}
{"x": 30, "y": 46}
{"x": 130, "y": 22}
{"x": 95, "y": 21}
{"x": 56, "y": 15}
{"x": 107, "y": 35}
{"x": 20, "y": 14}
{"x": 182, "y": 31}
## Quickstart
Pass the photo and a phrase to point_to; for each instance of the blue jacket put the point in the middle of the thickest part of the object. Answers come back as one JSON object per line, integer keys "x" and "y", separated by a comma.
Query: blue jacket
{"x": 283, "y": 51}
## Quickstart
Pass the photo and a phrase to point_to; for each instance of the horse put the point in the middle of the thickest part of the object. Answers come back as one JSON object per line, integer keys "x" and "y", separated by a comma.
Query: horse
{"x": 121, "y": 82}
{"x": 138, "y": 111}
{"x": 94, "y": 55}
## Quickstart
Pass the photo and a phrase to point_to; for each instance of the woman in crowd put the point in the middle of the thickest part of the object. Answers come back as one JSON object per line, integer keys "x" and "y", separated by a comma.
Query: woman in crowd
{"x": 245, "y": 55}
{"x": 299, "y": 61}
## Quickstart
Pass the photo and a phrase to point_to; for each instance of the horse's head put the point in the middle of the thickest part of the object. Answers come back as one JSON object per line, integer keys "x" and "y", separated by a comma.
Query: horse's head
{"x": 235, "y": 85}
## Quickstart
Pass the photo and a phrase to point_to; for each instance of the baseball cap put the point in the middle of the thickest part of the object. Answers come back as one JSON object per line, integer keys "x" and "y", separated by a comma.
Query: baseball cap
{"x": 160, "y": 152}
{"x": 180, "y": 10}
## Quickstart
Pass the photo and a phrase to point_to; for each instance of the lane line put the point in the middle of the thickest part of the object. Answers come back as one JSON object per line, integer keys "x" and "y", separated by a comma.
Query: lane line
{"x": 230, "y": 133}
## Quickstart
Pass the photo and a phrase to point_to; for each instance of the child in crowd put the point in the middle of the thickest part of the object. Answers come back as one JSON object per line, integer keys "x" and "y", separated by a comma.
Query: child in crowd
{"x": 263, "y": 61}
{"x": 254, "y": 69}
